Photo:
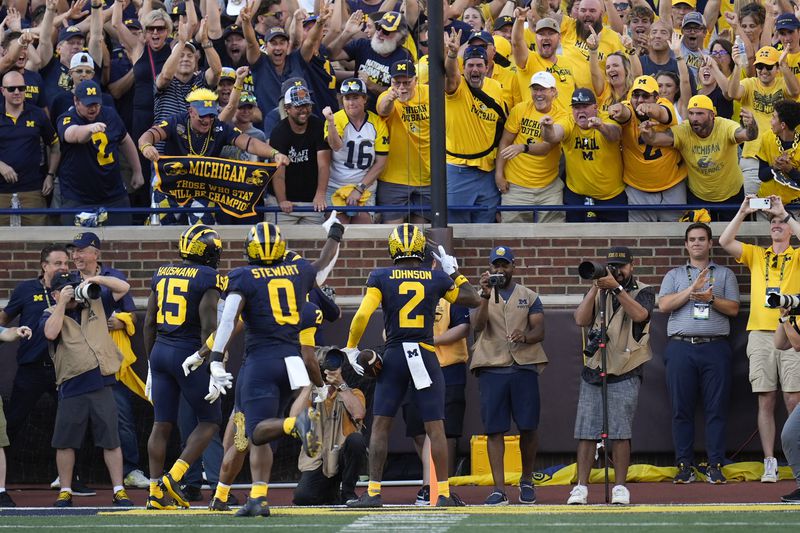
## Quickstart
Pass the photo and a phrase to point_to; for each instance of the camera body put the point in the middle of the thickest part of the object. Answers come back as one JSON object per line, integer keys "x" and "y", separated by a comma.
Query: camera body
{"x": 86, "y": 292}
{"x": 496, "y": 280}
{"x": 334, "y": 359}
{"x": 784, "y": 301}
{"x": 593, "y": 341}
{"x": 594, "y": 270}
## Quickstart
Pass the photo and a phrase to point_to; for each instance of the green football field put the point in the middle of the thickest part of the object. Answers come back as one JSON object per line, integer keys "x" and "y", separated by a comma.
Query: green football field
{"x": 772, "y": 517}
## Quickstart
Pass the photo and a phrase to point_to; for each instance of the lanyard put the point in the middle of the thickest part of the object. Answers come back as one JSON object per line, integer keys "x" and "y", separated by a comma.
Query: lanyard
{"x": 47, "y": 295}
{"x": 784, "y": 259}
{"x": 689, "y": 274}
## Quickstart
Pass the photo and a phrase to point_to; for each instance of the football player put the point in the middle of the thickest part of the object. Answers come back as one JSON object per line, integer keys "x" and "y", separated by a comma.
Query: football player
{"x": 269, "y": 295}
{"x": 181, "y": 311}
{"x": 408, "y": 294}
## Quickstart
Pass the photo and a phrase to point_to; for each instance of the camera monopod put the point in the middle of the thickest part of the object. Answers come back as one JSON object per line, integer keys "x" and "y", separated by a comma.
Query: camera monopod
{"x": 604, "y": 391}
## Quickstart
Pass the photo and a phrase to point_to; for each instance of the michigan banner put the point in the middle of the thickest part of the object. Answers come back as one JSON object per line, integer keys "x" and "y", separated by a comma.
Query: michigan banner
{"x": 235, "y": 186}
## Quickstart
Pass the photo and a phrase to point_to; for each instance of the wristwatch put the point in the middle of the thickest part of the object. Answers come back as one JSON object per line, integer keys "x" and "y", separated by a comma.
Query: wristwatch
{"x": 617, "y": 290}
{"x": 343, "y": 387}
{"x": 361, "y": 188}
{"x": 525, "y": 148}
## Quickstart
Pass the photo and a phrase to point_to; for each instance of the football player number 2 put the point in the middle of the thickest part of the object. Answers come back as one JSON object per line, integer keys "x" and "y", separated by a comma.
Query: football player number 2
{"x": 283, "y": 316}
{"x": 417, "y": 291}
{"x": 171, "y": 295}
{"x": 100, "y": 140}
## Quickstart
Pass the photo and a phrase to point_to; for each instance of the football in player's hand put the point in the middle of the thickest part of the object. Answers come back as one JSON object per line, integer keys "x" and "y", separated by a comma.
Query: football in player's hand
{"x": 371, "y": 362}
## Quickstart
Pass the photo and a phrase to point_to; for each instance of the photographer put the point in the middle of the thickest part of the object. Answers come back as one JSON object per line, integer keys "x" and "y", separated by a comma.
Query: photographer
{"x": 628, "y": 307}
{"x": 507, "y": 358}
{"x": 85, "y": 360}
{"x": 772, "y": 270}
{"x": 344, "y": 448}
{"x": 787, "y": 337}
{"x": 700, "y": 297}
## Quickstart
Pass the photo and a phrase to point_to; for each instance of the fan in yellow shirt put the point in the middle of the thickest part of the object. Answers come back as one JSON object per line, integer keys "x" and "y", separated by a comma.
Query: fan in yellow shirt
{"x": 405, "y": 107}
{"x": 504, "y": 76}
{"x": 653, "y": 176}
{"x": 708, "y": 145}
{"x": 527, "y": 166}
{"x": 593, "y": 160}
{"x": 778, "y": 155}
{"x": 788, "y": 29}
{"x": 475, "y": 113}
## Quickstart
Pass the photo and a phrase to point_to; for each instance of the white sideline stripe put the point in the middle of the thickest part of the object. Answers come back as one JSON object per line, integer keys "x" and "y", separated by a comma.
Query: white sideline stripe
{"x": 230, "y": 525}
{"x": 388, "y": 523}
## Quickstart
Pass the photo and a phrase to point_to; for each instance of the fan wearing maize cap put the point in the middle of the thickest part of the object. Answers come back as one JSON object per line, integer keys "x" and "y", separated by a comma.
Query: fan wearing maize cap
{"x": 359, "y": 140}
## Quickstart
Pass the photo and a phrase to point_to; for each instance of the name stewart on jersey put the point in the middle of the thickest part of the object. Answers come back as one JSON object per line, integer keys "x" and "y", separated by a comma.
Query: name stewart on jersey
{"x": 276, "y": 271}
{"x": 410, "y": 274}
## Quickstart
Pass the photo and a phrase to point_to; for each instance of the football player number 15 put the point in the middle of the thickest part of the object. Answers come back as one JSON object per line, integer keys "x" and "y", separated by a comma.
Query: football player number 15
{"x": 417, "y": 291}
{"x": 171, "y": 296}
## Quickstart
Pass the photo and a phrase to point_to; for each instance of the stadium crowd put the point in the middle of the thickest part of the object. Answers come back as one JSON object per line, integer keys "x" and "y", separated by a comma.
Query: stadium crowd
{"x": 577, "y": 103}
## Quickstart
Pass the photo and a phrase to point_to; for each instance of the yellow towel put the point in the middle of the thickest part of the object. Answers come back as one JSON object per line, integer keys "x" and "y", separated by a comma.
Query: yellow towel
{"x": 122, "y": 339}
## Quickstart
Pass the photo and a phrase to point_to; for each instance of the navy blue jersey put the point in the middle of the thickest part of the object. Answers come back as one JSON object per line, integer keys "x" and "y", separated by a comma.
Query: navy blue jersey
{"x": 89, "y": 172}
{"x": 20, "y": 141}
{"x": 375, "y": 65}
{"x": 29, "y": 300}
{"x": 177, "y": 129}
{"x": 408, "y": 298}
{"x": 267, "y": 81}
{"x": 274, "y": 300}
{"x": 34, "y": 88}
{"x": 179, "y": 290}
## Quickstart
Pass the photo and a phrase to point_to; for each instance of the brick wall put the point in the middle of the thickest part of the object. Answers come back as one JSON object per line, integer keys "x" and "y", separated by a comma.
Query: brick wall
{"x": 547, "y": 255}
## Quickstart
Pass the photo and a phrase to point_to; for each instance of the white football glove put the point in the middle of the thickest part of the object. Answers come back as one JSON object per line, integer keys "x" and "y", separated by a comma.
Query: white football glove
{"x": 330, "y": 222}
{"x": 148, "y": 384}
{"x": 448, "y": 262}
{"x": 352, "y": 356}
{"x": 219, "y": 380}
{"x": 321, "y": 394}
{"x": 192, "y": 363}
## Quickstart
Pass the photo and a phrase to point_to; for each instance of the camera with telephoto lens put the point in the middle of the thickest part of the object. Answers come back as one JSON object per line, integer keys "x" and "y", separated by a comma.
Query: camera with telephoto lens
{"x": 593, "y": 340}
{"x": 89, "y": 291}
{"x": 496, "y": 280}
{"x": 333, "y": 360}
{"x": 594, "y": 270}
{"x": 784, "y": 301}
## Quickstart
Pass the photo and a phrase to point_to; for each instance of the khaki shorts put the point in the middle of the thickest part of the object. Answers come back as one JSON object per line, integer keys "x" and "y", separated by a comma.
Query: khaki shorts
{"x": 771, "y": 369}
{"x": 3, "y": 435}
{"x": 517, "y": 195}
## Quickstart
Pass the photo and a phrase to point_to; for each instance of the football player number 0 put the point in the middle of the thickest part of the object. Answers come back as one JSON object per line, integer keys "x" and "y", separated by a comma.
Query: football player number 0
{"x": 172, "y": 292}
{"x": 275, "y": 287}
{"x": 417, "y": 290}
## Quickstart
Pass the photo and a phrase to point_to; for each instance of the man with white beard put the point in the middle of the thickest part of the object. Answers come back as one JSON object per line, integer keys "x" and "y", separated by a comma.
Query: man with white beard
{"x": 373, "y": 57}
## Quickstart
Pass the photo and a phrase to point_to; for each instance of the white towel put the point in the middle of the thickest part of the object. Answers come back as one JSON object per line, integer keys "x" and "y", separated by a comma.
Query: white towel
{"x": 416, "y": 366}
{"x": 298, "y": 375}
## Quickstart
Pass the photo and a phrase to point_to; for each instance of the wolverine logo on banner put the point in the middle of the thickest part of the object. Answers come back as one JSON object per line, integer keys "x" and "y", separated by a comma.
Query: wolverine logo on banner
{"x": 236, "y": 186}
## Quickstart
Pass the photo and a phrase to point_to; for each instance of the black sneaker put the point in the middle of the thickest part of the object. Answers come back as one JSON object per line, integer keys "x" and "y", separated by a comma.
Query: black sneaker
{"x": 685, "y": 474}
{"x": 172, "y": 488}
{"x": 366, "y": 501}
{"x": 496, "y": 498}
{"x": 79, "y": 488}
{"x": 346, "y": 497}
{"x": 232, "y": 499}
{"x": 792, "y": 497}
{"x": 254, "y": 507}
{"x": 715, "y": 476}
{"x": 64, "y": 499}
{"x": 5, "y": 500}
{"x": 451, "y": 501}
{"x": 218, "y": 505}
{"x": 423, "y": 496}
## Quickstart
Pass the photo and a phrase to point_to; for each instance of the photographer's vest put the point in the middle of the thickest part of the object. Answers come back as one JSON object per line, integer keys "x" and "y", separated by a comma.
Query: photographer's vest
{"x": 623, "y": 352}
{"x": 335, "y": 425}
{"x": 492, "y": 347}
{"x": 448, "y": 354}
{"x": 85, "y": 346}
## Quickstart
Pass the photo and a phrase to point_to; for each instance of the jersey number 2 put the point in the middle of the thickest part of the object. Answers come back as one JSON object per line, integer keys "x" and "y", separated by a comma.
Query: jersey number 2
{"x": 172, "y": 292}
{"x": 275, "y": 286}
{"x": 101, "y": 140}
{"x": 418, "y": 290}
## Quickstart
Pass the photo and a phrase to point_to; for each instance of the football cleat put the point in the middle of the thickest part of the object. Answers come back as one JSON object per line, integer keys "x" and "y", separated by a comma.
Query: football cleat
{"x": 160, "y": 503}
{"x": 172, "y": 488}
{"x": 64, "y": 499}
{"x": 306, "y": 428}
{"x": 254, "y": 507}
{"x": 121, "y": 499}
{"x": 218, "y": 505}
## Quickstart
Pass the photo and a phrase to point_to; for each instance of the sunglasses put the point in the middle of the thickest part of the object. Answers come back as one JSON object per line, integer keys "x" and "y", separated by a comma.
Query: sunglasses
{"x": 423, "y": 43}
{"x": 276, "y": 14}
{"x": 14, "y": 88}
{"x": 352, "y": 87}
{"x": 762, "y": 66}
{"x": 155, "y": 29}
{"x": 719, "y": 53}
{"x": 621, "y": 5}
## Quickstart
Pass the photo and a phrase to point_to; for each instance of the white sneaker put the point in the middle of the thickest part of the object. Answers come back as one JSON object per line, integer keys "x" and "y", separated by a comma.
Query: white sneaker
{"x": 770, "y": 470}
{"x": 620, "y": 495}
{"x": 56, "y": 484}
{"x": 136, "y": 479}
{"x": 578, "y": 495}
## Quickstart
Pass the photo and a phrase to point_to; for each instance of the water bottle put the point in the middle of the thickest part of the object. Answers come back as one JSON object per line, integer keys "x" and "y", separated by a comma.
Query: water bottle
{"x": 739, "y": 43}
{"x": 16, "y": 220}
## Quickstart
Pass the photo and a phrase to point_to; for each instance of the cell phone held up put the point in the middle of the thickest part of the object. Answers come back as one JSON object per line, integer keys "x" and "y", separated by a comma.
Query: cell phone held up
{"x": 759, "y": 203}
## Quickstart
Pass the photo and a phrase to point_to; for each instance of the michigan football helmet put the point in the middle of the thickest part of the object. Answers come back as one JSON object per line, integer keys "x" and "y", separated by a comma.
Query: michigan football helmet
{"x": 265, "y": 244}
{"x": 406, "y": 240}
{"x": 201, "y": 244}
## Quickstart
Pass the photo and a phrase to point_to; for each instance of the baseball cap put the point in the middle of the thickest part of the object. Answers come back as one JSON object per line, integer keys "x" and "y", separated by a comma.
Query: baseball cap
{"x": 88, "y": 93}
{"x": 204, "y": 101}
{"x": 502, "y": 22}
{"x": 275, "y": 31}
{"x": 292, "y": 82}
{"x": 233, "y": 29}
{"x": 82, "y": 240}
{"x": 132, "y": 24}
{"x": 692, "y": 3}
{"x": 583, "y": 97}
{"x": 501, "y": 47}
{"x": 311, "y": 19}
{"x": 403, "y": 68}
{"x": 767, "y": 55}
{"x": 247, "y": 99}
{"x": 501, "y": 252}
{"x": 548, "y": 23}
{"x": 701, "y": 101}
{"x": 484, "y": 36}
{"x": 647, "y": 84}
{"x": 353, "y": 86}
{"x": 787, "y": 21}
{"x": 234, "y": 7}
{"x": 475, "y": 52}
{"x": 81, "y": 60}
{"x": 61, "y": 280}
{"x": 619, "y": 255}
{"x": 70, "y": 32}
{"x": 694, "y": 17}
{"x": 298, "y": 95}
{"x": 391, "y": 21}
{"x": 543, "y": 78}
{"x": 227, "y": 73}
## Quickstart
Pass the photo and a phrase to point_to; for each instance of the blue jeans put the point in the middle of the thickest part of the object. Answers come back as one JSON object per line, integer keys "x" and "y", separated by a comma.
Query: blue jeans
{"x": 212, "y": 455}
{"x": 471, "y": 186}
{"x": 127, "y": 428}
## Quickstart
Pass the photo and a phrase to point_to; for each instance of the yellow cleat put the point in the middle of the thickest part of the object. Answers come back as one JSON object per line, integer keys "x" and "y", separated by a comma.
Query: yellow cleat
{"x": 163, "y": 503}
